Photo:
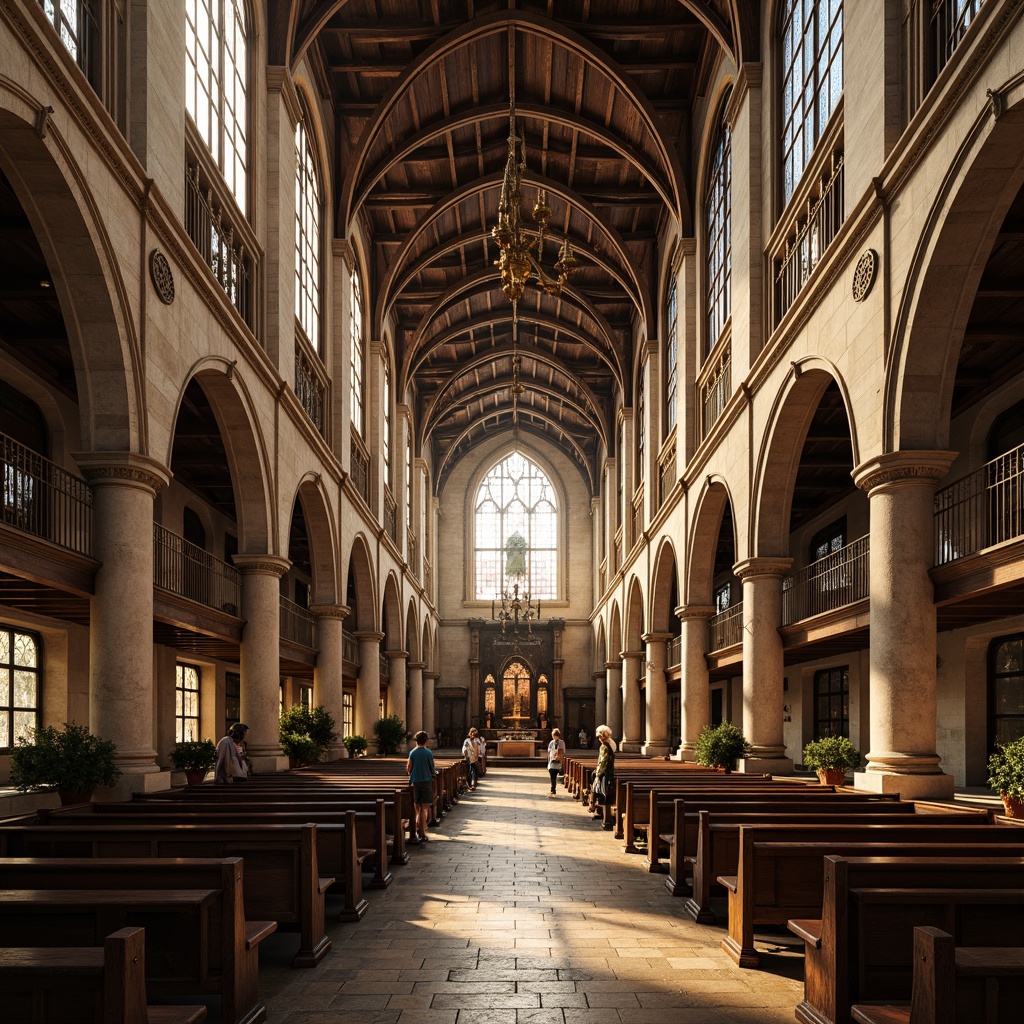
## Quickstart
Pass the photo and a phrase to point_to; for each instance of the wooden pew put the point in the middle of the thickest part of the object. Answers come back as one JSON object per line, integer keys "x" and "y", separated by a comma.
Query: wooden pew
{"x": 370, "y": 826}
{"x": 88, "y": 985}
{"x": 283, "y": 882}
{"x": 780, "y": 867}
{"x": 861, "y": 949}
{"x": 226, "y": 952}
{"x": 955, "y": 985}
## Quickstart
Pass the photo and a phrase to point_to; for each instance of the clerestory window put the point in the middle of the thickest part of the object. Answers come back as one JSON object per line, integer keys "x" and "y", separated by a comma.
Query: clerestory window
{"x": 355, "y": 339}
{"x": 308, "y": 220}
{"x": 671, "y": 360}
{"x": 718, "y": 232}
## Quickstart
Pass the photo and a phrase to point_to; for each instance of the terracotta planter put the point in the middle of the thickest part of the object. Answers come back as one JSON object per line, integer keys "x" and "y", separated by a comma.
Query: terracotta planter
{"x": 70, "y": 797}
{"x": 832, "y": 776}
{"x": 195, "y": 776}
{"x": 1013, "y": 805}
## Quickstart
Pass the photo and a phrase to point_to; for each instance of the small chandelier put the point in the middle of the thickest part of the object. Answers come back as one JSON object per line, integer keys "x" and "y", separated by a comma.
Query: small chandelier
{"x": 515, "y": 608}
{"x": 518, "y": 244}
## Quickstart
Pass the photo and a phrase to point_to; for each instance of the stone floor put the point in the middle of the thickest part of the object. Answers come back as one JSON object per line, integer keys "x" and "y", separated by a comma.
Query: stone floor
{"x": 520, "y": 909}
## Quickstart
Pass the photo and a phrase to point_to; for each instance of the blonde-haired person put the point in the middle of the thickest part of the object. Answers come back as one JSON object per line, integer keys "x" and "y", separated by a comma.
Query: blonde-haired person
{"x": 556, "y": 751}
{"x": 604, "y": 775}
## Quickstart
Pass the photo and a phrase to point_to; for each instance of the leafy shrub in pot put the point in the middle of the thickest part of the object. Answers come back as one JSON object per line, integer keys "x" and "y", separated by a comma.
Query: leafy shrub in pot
{"x": 719, "y": 746}
{"x": 1006, "y": 776}
{"x": 69, "y": 758}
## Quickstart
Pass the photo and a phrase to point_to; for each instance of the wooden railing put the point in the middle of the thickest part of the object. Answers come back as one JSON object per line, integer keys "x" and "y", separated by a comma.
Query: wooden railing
{"x": 296, "y": 624}
{"x": 726, "y": 628}
{"x": 360, "y": 468}
{"x": 185, "y": 569}
{"x": 982, "y": 509}
{"x": 715, "y": 386}
{"x": 44, "y": 500}
{"x": 832, "y": 582}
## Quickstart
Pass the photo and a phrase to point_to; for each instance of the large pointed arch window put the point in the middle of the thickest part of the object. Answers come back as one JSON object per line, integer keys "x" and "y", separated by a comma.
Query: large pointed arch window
{"x": 308, "y": 221}
{"x": 671, "y": 359}
{"x": 355, "y": 338}
{"x": 718, "y": 232}
{"x": 516, "y": 497}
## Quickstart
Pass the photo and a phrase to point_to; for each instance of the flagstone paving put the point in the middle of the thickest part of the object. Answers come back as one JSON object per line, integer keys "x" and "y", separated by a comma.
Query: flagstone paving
{"x": 521, "y": 910}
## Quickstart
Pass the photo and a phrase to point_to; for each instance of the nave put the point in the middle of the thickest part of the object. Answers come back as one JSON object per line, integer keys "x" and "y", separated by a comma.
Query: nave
{"x": 520, "y": 909}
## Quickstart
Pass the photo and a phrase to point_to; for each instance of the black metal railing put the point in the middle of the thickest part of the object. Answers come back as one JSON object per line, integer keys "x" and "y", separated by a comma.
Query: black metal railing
{"x": 726, "y": 628}
{"x": 666, "y": 474}
{"x": 716, "y": 389}
{"x": 359, "y": 468}
{"x": 390, "y": 517}
{"x": 349, "y": 648}
{"x": 982, "y": 509}
{"x": 187, "y": 570}
{"x": 832, "y": 582}
{"x": 210, "y": 227}
{"x": 297, "y": 624}
{"x": 674, "y": 652}
{"x": 44, "y": 500}
{"x": 311, "y": 391}
{"x": 950, "y": 20}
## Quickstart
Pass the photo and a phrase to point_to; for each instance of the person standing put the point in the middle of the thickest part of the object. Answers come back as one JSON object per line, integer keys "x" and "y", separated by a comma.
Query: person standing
{"x": 603, "y": 785}
{"x": 231, "y": 761}
{"x": 583, "y": 737}
{"x": 420, "y": 767}
{"x": 470, "y": 752}
{"x": 481, "y": 754}
{"x": 556, "y": 752}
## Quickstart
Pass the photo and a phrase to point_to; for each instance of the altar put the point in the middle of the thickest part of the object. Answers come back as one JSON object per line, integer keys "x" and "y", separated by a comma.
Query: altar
{"x": 519, "y": 743}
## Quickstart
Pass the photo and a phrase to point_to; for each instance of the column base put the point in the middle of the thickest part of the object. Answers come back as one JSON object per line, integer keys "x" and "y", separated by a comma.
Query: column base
{"x": 760, "y": 765}
{"x": 685, "y": 752}
{"x": 659, "y": 748}
{"x": 266, "y": 764}
{"x": 936, "y": 786}
{"x": 135, "y": 782}
{"x": 337, "y": 752}
{"x": 630, "y": 746}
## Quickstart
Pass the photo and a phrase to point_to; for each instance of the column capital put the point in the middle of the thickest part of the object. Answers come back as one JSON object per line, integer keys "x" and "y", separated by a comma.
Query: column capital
{"x": 656, "y": 638}
{"x": 610, "y": 665}
{"x": 129, "y": 469}
{"x": 633, "y": 655}
{"x": 432, "y": 676}
{"x": 695, "y": 611}
{"x": 417, "y": 664}
{"x": 329, "y": 611}
{"x": 902, "y": 468}
{"x": 262, "y": 565}
{"x": 767, "y": 565}
{"x": 369, "y": 634}
{"x": 396, "y": 655}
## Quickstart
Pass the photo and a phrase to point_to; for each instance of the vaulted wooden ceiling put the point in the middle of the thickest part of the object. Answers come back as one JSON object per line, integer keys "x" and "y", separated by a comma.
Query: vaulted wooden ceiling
{"x": 604, "y": 94}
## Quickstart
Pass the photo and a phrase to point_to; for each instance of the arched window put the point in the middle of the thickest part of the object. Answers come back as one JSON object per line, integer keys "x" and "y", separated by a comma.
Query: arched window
{"x": 718, "y": 233}
{"x": 812, "y": 80}
{"x": 186, "y": 703}
{"x": 20, "y": 685}
{"x": 1006, "y": 690}
{"x": 216, "y": 82}
{"x": 355, "y": 341}
{"x": 516, "y": 497}
{"x": 490, "y": 707}
{"x": 308, "y": 220}
{"x": 641, "y": 427}
{"x": 385, "y": 437}
{"x": 671, "y": 359}
{"x": 515, "y": 693}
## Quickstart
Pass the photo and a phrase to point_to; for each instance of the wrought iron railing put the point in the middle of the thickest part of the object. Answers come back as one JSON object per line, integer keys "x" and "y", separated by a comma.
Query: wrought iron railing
{"x": 674, "y": 652}
{"x": 187, "y": 570}
{"x": 219, "y": 243}
{"x": 617, "y": 551}
{"x": 311, "y": 390}
{"x": 716, "y": 387}
{"x": 811, "y": 234}
{"x": 726, "y": 628}
{"x": 428, "y": 577}
{"x": 666, "y": 474}
{"x": 832, "y": 582}
{"x": 385, "y": 668}
{"x": 602, "y": 576}
{"x": 297, "y": 624}
{"x": 390, "y": 516}
{"x": 982, "y": 509}
{"x": 44, "y": 500}
{"x": 349, "y": 648}
{"x": 412, "y": 550}
{"x": 637, "y": 519}
{"x": 950, "y": 20}
{"x": 360, "y": 468}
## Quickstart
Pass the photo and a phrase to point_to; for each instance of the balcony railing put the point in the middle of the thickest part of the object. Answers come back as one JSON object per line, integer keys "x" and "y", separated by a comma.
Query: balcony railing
{"x": 618, "y": 550}
{"x": 360, "y": 468}
{"x": 428, "y": 578}
{"x": 726, "y": 628}
{"x": 602, "y": 576}
{"x": 666, "y": 474}
{"x": 982, "y": 509}
{"x": 44, "y": 500}
{"x": 637, "y": 519}
{"x": 296, "y": 623}
{"x": 832, "y": 582}
{"x": 210, "y": 228}
{"x": 390, "y": 516}
{"x": 674, "y": 652}
{"x": 412, "y": 550}
{"x": 950, "y": 20}
{"x": 349, "y": 648}
{"x": 187, "y": 570}
{"x": 812, "y": 232}
{"x": 385, "y": 669}
{"x": 311, "y": 390}
{"x": 716, "y": 387}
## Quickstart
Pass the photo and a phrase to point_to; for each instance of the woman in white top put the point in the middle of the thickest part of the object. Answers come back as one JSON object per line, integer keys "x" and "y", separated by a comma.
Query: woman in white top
{"x": 556, "y": 751}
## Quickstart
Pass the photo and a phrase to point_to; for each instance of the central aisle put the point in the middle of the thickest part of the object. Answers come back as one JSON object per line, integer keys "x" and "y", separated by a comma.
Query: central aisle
{"x": 521, "y": 909}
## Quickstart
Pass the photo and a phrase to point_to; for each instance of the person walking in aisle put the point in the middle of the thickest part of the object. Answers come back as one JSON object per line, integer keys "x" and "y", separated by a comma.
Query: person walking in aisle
{"x": 603, "y": 785}
{"x": 556, "y": 751}
{"x": 470, "y": 752}
{"x": 420, "y": 767}
{"x": 231, "y": 760}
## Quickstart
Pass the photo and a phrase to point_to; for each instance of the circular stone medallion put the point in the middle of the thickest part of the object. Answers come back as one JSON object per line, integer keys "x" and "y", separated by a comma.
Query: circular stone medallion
{"x": 864, "y": 274}
{"x": 163, "y": 279}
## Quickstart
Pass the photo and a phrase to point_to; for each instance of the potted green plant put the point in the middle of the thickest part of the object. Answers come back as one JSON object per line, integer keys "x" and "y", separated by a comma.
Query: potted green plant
{"x": 1006, "y": 776}
{"x": 195, "y": 758}
{"x": 355, "y": 745}
{"x": 719, "y": 746}
{"x": 831, "y": 757}
{"x": 69, "y": 759}
{"x": 300, "y": 724}
{"x": 391, "y": 735}
{"x": 300, "y": 748}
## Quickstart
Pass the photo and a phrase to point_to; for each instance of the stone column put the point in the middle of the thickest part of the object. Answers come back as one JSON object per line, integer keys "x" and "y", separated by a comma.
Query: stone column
{"x": 368, "y": 687}
{"x": 656, "y": 705}
{"x": 694, "y": 685}
{"x": 631, "y": 701}
{"x": 902, "y": 758}
{"x": 328, "y": 680}
{"x": 613, "y": 707}
{"x": 415, "y": 708}
{"x": 429, "y": 717}
{"x": 397, "y": 677}
{"x": 260, "y": 660}
{"x": 763, "y": 696}
{"x": 122, "y": 707}
{"x": 600, "y": 698}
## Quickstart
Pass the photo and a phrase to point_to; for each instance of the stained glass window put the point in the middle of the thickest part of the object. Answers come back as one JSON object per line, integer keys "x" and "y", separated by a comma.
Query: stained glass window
{"x": 516, "y": 497}
{"x": 186, "y": 703}
{"x": 19, "y": 685}
{"x": 515, "y": 693}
